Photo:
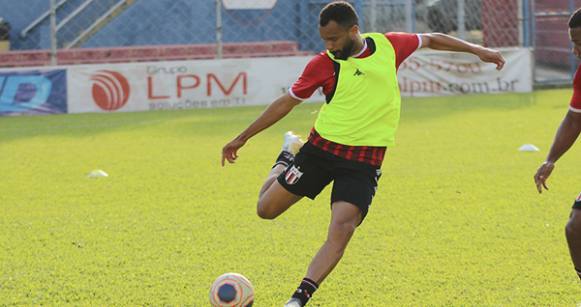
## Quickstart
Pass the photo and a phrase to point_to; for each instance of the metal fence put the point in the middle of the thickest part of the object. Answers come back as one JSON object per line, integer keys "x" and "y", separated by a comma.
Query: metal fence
{"x": 555, "y": 63}
{"x": 85, "y": 30}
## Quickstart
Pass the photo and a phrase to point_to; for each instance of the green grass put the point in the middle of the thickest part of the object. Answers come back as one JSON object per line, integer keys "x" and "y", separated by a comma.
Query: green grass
{"x": 456, "y": 220}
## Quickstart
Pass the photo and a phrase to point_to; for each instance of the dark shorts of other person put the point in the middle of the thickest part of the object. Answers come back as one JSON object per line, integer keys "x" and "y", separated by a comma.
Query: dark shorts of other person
{"x": 577, "y": 203}
{"x": 313, "y": 169}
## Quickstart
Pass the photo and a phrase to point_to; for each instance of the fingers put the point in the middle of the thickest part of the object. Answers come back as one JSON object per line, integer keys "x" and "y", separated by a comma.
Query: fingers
{"x": 498, "y": 60}
{"x": 539, "y": 188}
{"x": 230, "y": 151}
{"x": 500, "y": 63}
{"x": 225, "y": 155}
{"x": 541, "y": 178}
{"x": 538, "y": 184}
{"x": 493, "y": 56}
{"x": 229, "y": 155}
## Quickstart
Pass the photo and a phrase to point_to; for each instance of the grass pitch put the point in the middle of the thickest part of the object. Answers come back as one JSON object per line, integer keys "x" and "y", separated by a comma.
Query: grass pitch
{"x": 456, "y": 220}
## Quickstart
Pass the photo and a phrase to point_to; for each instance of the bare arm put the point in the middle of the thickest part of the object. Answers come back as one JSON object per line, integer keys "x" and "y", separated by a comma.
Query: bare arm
{"x": 273, "y": 113}
{"x": 439, "y": 41}
{"x": 566, "y": 136}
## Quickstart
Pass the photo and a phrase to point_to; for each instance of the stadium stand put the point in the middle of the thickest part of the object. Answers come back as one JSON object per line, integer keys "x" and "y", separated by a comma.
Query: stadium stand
{"x": 111, "y": 31}
{"x": 552, "y": 40}
{"x": 149, "y": 53}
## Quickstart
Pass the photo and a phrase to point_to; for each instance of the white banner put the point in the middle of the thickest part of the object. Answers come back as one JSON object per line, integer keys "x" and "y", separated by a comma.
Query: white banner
{"x": 436, "y": 73}
{"x": 182, "y": 85}
{"x": 239, "y": 82}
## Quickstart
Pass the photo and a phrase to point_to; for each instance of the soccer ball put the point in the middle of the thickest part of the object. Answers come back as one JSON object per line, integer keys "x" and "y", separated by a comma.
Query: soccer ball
{"x": 232, "y": 289}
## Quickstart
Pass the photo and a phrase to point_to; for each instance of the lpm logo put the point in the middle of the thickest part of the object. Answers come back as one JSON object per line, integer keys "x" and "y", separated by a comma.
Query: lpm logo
{"x": 110, "y": 90}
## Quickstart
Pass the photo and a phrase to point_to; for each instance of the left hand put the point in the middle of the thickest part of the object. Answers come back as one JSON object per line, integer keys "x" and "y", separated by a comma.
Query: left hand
{"x": 543, "y": 174}
{"x": 491, "y": 56}
{"x": 230, "y": 150}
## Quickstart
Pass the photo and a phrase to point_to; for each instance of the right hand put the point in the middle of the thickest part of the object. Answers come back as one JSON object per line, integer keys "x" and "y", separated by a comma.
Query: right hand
{"x": 543, "y": 174}
{"x": 230, "y": 150}
{"x": 491, "y": 56}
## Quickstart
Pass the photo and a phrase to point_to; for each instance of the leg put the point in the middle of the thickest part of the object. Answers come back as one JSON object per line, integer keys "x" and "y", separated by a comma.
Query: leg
{"x": 274, "y": 173}
{"x": 353, "y": 191}
{"x": 344, "y": 219}
{"x": 573, "y": 234}
{"x": 273, "y": 199}
{"x": 308, "y": 175}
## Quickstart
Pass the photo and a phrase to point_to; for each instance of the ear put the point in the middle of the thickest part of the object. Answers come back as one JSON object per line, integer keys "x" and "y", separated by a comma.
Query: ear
{"x": 354, "y": 30}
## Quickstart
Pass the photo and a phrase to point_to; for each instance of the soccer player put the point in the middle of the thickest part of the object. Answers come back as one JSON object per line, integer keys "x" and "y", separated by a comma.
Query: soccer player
{"x": 566, "y": 136}
{"x": 351, "y": 134}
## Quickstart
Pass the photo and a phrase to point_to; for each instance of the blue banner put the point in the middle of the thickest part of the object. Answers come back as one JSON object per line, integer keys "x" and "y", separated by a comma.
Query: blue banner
{"x": 33, "y": 92}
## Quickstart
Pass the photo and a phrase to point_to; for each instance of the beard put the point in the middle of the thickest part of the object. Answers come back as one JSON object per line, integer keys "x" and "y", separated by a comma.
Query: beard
{"x": 345, "y": 52}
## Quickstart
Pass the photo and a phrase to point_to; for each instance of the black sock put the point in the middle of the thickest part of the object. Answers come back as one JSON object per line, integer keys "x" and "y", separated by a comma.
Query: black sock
{"x": 305, "y": 290}
{"x": 285, "y": 158}
{"x": 578, "y": 272}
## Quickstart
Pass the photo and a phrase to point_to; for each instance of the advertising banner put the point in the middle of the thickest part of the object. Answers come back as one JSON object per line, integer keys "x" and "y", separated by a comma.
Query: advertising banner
{"x": 182, "y": 85}
{"x": 433, "y": 73}
{"x": 33, "y": 92}
{"x": 239, "y": 82}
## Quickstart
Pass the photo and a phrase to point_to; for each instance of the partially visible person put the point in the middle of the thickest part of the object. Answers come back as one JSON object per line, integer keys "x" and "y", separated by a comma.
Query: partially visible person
{"x": 564, "y": 139}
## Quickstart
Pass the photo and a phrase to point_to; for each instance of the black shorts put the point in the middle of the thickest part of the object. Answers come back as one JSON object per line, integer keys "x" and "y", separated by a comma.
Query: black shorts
{"x": 313, "y": 169}
{"x": 577, "y": 203}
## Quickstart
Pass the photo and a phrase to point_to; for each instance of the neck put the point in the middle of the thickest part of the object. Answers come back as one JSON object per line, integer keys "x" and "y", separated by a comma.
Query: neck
{"x": 358, "y": 45}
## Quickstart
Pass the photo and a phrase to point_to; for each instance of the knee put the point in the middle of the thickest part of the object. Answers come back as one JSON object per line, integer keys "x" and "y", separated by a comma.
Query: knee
{"x": 263, "y": 212}
{"x": 341, "y": 232}
{"x": 344, "y": 227}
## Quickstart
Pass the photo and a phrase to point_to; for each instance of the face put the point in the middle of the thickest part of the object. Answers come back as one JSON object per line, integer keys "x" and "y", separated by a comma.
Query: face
{"x": 339, "y": 40}
{"x": 575, "y": 35}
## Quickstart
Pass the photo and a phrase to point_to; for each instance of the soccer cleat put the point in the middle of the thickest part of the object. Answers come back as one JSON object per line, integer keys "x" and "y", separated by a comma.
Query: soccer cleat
{"x": 293, "y": 302}
{"x": 292, "y": 143}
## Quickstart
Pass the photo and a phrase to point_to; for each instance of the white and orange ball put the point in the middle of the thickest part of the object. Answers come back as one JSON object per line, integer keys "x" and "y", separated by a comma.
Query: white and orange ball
{"x": 233, "y": 290}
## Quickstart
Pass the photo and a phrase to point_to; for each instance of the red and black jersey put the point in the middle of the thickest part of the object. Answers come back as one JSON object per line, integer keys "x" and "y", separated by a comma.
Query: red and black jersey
{"x": 575, "y": 104}
{"x": 366, "y": 154}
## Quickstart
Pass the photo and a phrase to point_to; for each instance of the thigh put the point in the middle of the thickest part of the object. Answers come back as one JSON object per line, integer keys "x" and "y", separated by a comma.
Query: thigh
{"x": 344, "y": 213}
{"x": 345, "y": 218}
{"x": 356, "y": 186}
{"x": 306, "y": 176}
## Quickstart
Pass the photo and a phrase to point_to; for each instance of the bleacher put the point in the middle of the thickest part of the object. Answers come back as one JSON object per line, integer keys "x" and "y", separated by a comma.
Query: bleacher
{"x": 149, "y": 53}
{"x": 112, "y": 31}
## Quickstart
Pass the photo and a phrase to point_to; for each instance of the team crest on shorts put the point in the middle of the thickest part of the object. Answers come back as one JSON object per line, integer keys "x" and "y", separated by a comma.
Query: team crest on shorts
{"x": 293, "y": 175}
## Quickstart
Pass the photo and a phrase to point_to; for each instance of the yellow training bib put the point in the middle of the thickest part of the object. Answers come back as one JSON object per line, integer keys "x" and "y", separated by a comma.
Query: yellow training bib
{"x": 365, "y": 108}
